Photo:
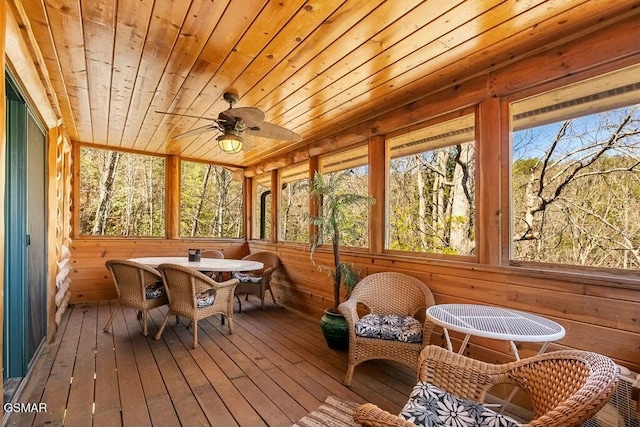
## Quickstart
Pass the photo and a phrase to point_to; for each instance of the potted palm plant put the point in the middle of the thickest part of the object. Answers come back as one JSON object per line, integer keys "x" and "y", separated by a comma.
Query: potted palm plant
{"x": 335, "y": 203}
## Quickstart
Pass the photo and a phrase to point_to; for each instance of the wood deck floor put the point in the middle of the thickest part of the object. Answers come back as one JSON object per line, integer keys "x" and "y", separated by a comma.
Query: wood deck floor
{"x": 273, "y": 370}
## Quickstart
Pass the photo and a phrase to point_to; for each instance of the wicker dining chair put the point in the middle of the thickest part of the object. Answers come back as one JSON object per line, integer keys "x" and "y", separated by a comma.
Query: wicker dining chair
{"x": 195, "y": 296}
{"x": 566, "y": 387}
{"x": 138, "y": 286}
{"x": 215, "y": 254}
{"x": 212, "y": 253}
{"x": 387, "y": 294}
{"x": 257, "y": 282}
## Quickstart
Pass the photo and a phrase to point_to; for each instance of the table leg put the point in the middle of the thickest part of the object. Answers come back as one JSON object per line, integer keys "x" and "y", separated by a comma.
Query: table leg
{"x": 450, "y": 346}
{"x": 464, "y": 344}
{"x": 514, "y": 349}
{"x": 446, "y": 336}
{"x": 544, "y": 347}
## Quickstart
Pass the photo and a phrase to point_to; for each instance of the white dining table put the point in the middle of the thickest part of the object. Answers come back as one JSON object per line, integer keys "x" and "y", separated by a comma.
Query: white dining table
{"x": 205, "y": 264}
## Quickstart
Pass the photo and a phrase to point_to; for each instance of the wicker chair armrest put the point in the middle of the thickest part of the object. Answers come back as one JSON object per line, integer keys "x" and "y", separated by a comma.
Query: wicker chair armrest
{"x": 266, "y": 276}
{"x": 370, "y": 415}
{"x": 266, "y": 273}
{"x": 349, "y": 309}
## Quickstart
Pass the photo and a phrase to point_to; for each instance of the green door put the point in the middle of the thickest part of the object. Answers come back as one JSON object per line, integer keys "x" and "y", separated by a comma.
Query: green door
{"x": 25, "y": 237}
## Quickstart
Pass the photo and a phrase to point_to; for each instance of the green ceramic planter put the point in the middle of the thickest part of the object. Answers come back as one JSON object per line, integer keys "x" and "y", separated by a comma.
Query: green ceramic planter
{"x": 334, "y": 328}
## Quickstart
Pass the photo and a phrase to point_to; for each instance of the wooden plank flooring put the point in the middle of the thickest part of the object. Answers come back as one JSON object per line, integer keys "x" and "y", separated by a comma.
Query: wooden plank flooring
{"x": 273, "y": 370}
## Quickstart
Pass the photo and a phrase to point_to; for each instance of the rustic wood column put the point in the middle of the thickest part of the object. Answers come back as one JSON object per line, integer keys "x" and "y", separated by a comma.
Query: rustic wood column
{"x": 378, "y": 189}
{"x": 55, "y": 221}
{"x": 492, "y": 186}
{"x": 247, "y": 193}
{"x": 275, "y": 205}
{"x": 172, "y": 180}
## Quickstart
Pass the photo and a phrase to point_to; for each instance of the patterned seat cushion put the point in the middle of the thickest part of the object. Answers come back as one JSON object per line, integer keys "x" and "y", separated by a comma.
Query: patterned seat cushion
{"x": 246, "y": 278}
{"x": 428, "y": 406}
{"x": 392, "y": 327}
{"x": 154, "y": 290}
{"x": 205, "y": 298}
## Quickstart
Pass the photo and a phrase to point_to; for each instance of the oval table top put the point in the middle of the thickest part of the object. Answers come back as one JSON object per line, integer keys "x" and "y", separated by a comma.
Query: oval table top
{"x": 495, "y": 322}
{"x": 205, "y": 264}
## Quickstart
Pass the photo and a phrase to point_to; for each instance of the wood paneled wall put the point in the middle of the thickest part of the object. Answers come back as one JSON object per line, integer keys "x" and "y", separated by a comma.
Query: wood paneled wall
{"x": 90, "y": 279}
{"x": 598, "y": 314}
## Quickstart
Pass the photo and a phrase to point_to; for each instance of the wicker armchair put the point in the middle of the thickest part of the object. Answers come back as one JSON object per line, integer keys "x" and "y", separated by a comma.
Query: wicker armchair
{"x": 387, "y": 294}
{"x": 195, "y": 296}
{"x": 566, "y": 387}
{"x": 257, "y": 282}
{"x": 138, "y": 286}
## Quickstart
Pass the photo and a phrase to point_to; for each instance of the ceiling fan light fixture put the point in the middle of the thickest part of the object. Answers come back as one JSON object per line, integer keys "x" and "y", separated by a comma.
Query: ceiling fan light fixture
{"x": 230, "y": 142}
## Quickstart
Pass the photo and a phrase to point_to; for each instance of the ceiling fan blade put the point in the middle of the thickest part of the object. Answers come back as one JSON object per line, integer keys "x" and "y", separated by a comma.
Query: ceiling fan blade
{"x": 197, "y": 131}
{"x": 187, "y": 115}
{"x": 271, "y": 131}
{"x": 249, "y": 115}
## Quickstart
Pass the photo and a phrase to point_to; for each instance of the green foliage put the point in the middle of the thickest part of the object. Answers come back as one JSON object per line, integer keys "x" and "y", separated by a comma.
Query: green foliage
{"x": 337, "y": 204}
{"x": 135, "y": 203}
{"x": 210, "y": 202}
{"x": 294, "y": 211}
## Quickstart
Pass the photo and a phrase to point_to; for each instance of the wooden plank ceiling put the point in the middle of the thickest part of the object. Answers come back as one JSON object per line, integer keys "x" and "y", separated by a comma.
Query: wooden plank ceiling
{"x": 315, "y": 66}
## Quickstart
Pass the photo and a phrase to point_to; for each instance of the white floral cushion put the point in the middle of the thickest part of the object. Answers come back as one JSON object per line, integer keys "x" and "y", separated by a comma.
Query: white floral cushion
{"x": 392, "y": 327}
{"x": 154, "y": 290}
{"x": 428, "y": 406}
{"x": 205, "y": 298}
{"x": 246, "y": 278}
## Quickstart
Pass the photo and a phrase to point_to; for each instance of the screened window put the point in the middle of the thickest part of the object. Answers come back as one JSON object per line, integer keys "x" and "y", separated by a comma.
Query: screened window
{"x": 294, "y": 203}
{"x": 210, "y": 201}
{"x": 354, "y": 231}
{"x": 432, "y": 189}
{"x": 262, "y": 207}
{"x": 576, "y": 175}
{"x": 121, "y": 194}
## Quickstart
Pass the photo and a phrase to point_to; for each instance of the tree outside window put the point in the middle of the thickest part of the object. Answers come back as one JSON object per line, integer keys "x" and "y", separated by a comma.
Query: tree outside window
{"x": 355, "y": 225}
{"x": 210, "y": 201}
{"x": 432, "y": 189}
{"x": 121, "y": 194}
{"x": 294, "y": 203}
{"x": 576, "y": 174}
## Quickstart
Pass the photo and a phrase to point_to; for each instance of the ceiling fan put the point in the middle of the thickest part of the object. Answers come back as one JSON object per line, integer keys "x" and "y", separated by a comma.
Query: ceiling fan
{"x": 235, "y": 122}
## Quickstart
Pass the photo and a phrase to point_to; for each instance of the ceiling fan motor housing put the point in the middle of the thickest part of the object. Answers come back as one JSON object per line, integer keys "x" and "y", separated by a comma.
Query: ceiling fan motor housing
{"x": 230, "y": 97}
